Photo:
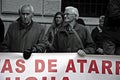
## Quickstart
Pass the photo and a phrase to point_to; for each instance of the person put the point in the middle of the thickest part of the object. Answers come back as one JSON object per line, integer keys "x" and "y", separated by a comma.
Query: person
{"x": 2, "y": 30}
{"x": 97, "y": 35}
{"x": 25, "y": 35}
{"x": 111, "y": 29}
{"x": 73, "y": 37}
{"x": 57, "y": 23}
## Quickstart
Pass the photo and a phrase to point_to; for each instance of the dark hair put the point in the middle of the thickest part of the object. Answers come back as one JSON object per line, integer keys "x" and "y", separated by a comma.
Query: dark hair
{"x": 81, "y": 21}
{"x": 59, "y": 13}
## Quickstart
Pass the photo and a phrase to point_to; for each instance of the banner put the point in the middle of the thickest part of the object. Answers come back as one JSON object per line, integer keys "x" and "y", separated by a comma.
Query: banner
{"x": 59, "y": 66}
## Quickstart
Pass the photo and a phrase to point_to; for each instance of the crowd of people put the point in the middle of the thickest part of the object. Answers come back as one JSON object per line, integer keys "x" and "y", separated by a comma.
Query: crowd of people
{"x": 67, "y": 33}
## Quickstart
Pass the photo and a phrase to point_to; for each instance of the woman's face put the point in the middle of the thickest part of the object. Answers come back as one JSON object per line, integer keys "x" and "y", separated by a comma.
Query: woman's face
{"x": 58, "y": 19}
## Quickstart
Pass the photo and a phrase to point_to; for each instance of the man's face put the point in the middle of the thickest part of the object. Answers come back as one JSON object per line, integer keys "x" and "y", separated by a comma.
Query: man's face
{"x": 69, "y": 16}
{"x": 26, "y": 15}
{"x": 58, "y": 19}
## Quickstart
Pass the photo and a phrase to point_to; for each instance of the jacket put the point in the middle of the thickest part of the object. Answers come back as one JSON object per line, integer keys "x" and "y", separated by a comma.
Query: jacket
{"x": 66, "y": 40}
{"x": 18, "y": 39}
{"x": 111, "y": 29}
{"x": 97, "y": 37}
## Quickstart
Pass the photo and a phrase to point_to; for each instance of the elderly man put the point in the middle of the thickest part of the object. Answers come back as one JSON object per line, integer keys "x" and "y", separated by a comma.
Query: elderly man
{"x": 24, "y": 35}
{"x": 73, "y": 37}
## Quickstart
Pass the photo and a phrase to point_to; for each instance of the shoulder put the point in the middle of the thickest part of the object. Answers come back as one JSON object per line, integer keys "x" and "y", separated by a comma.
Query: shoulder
{"x": 80, "y": 27}
{"x": 14, "y": 24}
{"x": 50, "y": 28}
{"x": 37, "y": 25}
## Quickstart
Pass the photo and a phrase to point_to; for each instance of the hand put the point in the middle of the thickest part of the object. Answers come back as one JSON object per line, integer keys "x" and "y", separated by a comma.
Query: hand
{"x": 100, "y": 50}
{"x": 27, "y": 53}
{"x": 81, "y": 53}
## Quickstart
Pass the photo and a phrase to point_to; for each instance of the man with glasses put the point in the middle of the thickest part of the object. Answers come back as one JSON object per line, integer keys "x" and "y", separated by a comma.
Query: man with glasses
{"x": 73, "y": 37}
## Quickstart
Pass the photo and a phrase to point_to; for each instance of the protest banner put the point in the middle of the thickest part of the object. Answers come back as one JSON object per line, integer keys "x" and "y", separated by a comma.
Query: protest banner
{"x": 59, "y": 66}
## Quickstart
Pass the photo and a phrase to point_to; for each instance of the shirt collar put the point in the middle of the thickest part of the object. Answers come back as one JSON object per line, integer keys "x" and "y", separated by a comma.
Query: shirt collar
{"x": 22, "y": 26}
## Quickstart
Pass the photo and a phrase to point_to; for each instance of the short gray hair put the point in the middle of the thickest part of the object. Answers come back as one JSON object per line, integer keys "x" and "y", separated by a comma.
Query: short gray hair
{"x": 26, "y": 5}
{"x": 73, "y": 10}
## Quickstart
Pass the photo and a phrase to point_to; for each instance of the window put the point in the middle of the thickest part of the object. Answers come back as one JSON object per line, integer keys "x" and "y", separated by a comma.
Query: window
{"x": 87, "y": 8}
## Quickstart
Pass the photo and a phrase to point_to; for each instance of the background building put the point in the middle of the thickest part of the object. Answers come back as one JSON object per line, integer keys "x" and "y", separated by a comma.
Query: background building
{"x": 89, "y": 10}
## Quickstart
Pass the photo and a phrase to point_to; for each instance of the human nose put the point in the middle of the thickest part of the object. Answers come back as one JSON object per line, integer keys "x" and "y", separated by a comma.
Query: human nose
{"x": 25, "y": 15}
{"x": 65, "y": 16}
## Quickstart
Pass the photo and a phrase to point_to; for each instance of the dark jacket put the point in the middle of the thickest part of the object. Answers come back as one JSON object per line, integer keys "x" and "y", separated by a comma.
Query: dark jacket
{"x": 97, "y": 37}
{"x": 111, "y": 29}
{"x": 1, "y": 31}
{"x": 52, "y": 32}
{"x": 19, "y": 38}
{"x": 51, "y": 36}
{"x": 66, "y": 40}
